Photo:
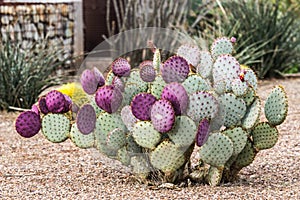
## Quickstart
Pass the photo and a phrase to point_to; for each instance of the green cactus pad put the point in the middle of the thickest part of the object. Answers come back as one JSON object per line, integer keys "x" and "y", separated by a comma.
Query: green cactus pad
{"x": 204, "y": 68}
{"x": 81, "y": 140}
{"x": 145, "y": 135}
{"x": 190, "y": 53}
{"x": 276, "y": 106}
{"x": 250, "y": 78}
{"x": 239, "y": 88}
{"x": 249, "y": 96}
{"x": 246, "y": 156}
{"x": 56, "y": 127}
{"x": 195, "y": 83}
{"x": 226, "y": 68}
{"x": 140, "y": 166}
{"x": 217, "y": 149}
{"x": 109, "y": 78}
{"x": 235, "y": 109}
{"x": 221, "y": 46}
{"x": 123, "y": 156}
{"x": 218, "y": 121}
{"x": 157, "y": 60}
{"x": 157, "y": 86}
{"x": 97, "y": 109}
{"x": 167, "y": 157}
{"x": 214, "y": 176}
{"x": 252, "y": 115}
{"x": 202, "y": 105}
{"x": 128, "y": 118}
{"x": 238, "y": 137}
{"x": 116, "y": 139}
{"x": 184, "y": 132}
{"x": 264, "y": 136}
{"x": 132, "y": 147}
{"x": 220, "y": 87}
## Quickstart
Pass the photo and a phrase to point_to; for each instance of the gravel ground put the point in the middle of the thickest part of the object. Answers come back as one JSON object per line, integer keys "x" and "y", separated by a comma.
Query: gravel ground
{"x": 37, "y": 169}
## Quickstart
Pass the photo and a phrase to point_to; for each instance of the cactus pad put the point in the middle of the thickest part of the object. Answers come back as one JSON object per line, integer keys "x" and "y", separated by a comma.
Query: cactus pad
{"x": 221, "y": 46}
{"x": 145, "y": 135}
{"x": 140, "y": 166}
{"x": 89, "y": 81}
{"x": 128, "y": 118}
{"x": 239, "y": 87}
{"x": 217, "y": 149}
{"x": 176, "y": 94}
{"x": 195, "y": 83}
{"x": 157, "y": 60}
{"x": 252, "y": 115}
{"x": 123, "y": 156}
{"x": 55, "y": 101}
{"x": 108, "y": 98}
{"x": 175, "y": 69}
{"x": 249, "y": 96}
{"x": 35, "y": 109}
{"x": 214, "y": 176}
{"x": 246, "y": 156}
{"x": 184, "y": 131}
{"x": 250, "y": 78}
{"x": 204, "y": 68}
{"x": 81, "y": 140}
{"x": 202, "y": 132}
{"x": 42, "y": 105}
{"x": 276, "y": 106}
{"x": 167, "y": 157}
{"x": 235, "y": 109}
{"x": 121, "y": 67}
{"x": 238, "y": 137}
{"x": 264, "y": 136}
{"x": 157, "y": 86}
{"x": 118, "y": 83}
{"x": 147, "y": 71}
{"x": 141, "y": 105}
{"x": 202, "y": 105}
{"x": 28, "y": 124}
{"x": 162, "y": 115}
{"x": 190, "y": 53}
{"x": 56, "y": 127}
{"x": 86, "y": 119}
{"x": 116, "y": 139}
{"x": 99, "y": 77}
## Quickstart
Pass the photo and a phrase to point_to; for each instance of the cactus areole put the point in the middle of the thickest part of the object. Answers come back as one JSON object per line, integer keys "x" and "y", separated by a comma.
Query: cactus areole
{"x": 151, "y": 117}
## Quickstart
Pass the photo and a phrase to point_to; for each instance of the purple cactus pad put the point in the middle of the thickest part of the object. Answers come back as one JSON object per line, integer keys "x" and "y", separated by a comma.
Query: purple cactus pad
{"x": 86, "y": 119}
{"x": 42, "y": 105}
{"x": 121, "y": 67}
{"x": 99, "y": 77}
{"x": 74, "y": 108}
{"x": 202, "y": 132}
{"x": 175, "y": 69}
{"x": 55, "y": 101}
{"x": 162, "y": 115}
{"x": 108, "y": 98}
{"x": 177, "y": 95}
{"x": 147, "y": 71}
{"x": 68, "y": 103}
{"x": 35, "y": 109}
{"x": 28, "y": 124}
{"x": 88, "y": 81}
{"x": 141, "y": 105}
{"x": 118, "y": 83}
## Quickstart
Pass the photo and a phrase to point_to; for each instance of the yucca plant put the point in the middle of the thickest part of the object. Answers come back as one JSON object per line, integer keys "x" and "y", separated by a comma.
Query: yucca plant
{"x": 268, "y": 38}
{"x": 25, "y": 73}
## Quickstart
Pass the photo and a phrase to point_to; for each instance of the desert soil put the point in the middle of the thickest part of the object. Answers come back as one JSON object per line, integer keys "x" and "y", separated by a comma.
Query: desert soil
{"x": 37, "y": 169}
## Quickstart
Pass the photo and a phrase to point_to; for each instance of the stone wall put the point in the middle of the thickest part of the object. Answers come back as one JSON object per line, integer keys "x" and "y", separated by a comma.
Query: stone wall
{"x": 28, "y": 23}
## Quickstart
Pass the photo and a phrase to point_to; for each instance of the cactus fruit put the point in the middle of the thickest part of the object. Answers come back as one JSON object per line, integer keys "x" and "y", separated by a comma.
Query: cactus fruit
{"x": 121, "y": 67}
{"x": 28, "y": 124}
{"x": 108, "y": 98}
{"x": 175, "y": 69}
{"x": 176, "y": 94}
{"x": 86, "y": 119}
{"x": 162, "y": 115}
{"x": 141, "y": 105}
{"x": 150, "y": 118}
{"x": 276, "y": 106}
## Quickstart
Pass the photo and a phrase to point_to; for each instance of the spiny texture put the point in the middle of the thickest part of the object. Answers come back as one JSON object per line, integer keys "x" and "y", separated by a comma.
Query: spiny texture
{"x": 86, "y": 119}
{"x": 121, "y": 67}
{"x": 141, "y": 105}
{"x": 175, "y": 69}
{"x": 55, "y": 101}
{"x": 28, "y": 124}
{"x": 147, "y": 71}
{"x": 108, "y": 98}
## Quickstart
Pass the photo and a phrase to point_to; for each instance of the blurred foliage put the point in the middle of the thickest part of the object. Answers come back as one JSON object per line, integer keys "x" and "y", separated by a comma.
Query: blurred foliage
{"x": 26, "y": 72}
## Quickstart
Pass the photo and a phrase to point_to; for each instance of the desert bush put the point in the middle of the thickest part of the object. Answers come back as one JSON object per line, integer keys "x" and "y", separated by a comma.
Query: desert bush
{"x": 26, "y": 72}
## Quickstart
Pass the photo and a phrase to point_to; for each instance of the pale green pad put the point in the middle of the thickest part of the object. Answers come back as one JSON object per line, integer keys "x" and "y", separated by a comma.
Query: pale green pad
{"x": 238, "y": 137}
{"x": 123, "y": 156}
{"x": 276, "y": 106}
{"x": 184, "y": 132}
{"x": 205, "y": 65}
{"x": 157, "y": 60}
{"x": 252, "y": 115}
{"x": 239, "y": 88}
{"x": 167, "y": 157}
{"x": 217, "y": 149}
{"x": 109, "y": 78}
{"x": 246, "y": 156}
{"x": 235, "y": 109}
{"x": 56, "y": 127}
{"x": 214, "y": 176}
{"x": 251, "y": 78}
{"x": 116, "y": 139}
{"x": 190, "y": 53}
{"x": 195, "y": 83}
{"x": 221, "y": 46}
{"x": 157, "y": 86}
{"x": 140, "y": 166}
{"x": 145, "y": 135}
{"x": 249, "y": 96}
{"x": 81, "y": 140}
{"x": 264, "y": 136}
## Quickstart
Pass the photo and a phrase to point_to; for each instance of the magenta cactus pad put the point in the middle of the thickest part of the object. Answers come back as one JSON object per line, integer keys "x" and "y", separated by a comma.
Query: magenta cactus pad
{"x": 108, "y": 98}
{"x": 28, "y": 124}
{"x": 141, "y": 105}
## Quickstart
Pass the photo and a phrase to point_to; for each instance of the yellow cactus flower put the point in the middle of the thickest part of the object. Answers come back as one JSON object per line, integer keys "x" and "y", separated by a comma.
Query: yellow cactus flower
{"x": 75, "y": 92}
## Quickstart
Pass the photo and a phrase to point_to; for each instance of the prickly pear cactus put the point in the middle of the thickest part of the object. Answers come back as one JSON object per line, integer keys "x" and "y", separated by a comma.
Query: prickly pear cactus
{"x": 150, "y": 118}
